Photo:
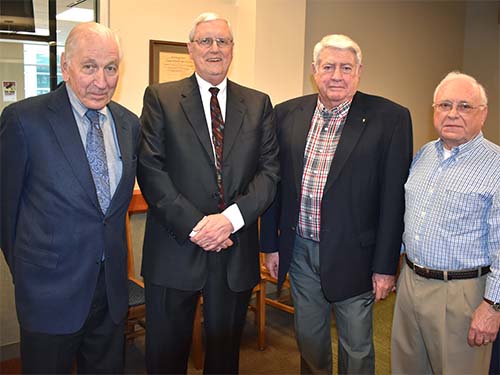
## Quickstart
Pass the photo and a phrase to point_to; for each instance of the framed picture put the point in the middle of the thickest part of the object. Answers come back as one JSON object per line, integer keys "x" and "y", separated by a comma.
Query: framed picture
{"x": 168, "y": 61}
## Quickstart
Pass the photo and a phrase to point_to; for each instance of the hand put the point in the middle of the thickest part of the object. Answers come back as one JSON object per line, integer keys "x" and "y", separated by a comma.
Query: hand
{"x": 483, "y": 326}
{"x": 212, "y": 233}
{"x": 272, "y": 261}
{"x": 383, "y": 285}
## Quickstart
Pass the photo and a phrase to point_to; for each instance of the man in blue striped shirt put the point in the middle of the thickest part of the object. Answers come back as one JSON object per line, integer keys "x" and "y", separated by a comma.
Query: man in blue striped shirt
{"x": 447, "y": 310}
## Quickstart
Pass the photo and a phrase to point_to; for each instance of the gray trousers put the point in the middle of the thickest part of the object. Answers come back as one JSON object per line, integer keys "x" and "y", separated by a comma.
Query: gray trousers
{"x": 354, "y": 317}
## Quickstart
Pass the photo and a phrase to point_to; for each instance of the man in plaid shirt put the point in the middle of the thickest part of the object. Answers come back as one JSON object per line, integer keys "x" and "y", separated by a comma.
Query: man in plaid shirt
{"x": 337, "y": 220}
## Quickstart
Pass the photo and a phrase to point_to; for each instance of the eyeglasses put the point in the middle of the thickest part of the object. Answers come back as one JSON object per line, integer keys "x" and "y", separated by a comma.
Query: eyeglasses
{"x": 221, "y": 42}
{"x": 462, "y": 107}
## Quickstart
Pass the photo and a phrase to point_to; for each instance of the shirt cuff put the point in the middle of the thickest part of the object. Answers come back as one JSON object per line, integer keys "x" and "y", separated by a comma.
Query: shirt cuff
{"x": 492, "y": 290}
{"x": 233, "y": 214}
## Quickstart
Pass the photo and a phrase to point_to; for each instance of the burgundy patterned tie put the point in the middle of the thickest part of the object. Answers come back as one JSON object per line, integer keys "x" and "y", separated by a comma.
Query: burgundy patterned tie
{"x": 218, "y": 139}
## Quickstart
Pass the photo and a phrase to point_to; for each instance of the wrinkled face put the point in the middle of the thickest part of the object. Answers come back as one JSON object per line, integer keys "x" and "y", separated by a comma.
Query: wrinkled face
{"x": 92, "y": 71}
{"x": 456, "y": 127}
{"x": 211, "y": 62}
{"x": 337, "y": 76}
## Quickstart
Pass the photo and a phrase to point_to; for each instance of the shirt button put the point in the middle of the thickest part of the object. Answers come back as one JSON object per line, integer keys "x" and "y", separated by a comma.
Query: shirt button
{"x": 440, "y": 169}
{"x": 315, "y": 172}
{"x": 310, "y": 217}
{"x": 417, "y": 237}
{"x": 431, "y": 191}
{"x": 320, "y": 150}
{"x": 310, "y": 195}
{"x": 325, "y": 129}
{"x": 422, "y": 214}
{"x": 311, "y": 235}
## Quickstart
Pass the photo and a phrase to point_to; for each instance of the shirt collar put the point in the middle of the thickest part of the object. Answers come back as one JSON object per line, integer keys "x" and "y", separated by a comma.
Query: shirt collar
{"x": 78, "y": 106}
{"x": 461, "y": 149}
{"x": 341, "y": 109}
{"x": 204, "y": 85}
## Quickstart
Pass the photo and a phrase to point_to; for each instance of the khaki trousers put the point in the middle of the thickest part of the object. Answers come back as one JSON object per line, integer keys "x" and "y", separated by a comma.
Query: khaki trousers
{"x": 430, "y": 326}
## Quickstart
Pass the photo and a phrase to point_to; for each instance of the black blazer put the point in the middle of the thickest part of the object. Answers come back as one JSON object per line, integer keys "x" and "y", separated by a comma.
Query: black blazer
{"x": 363, "y": 199}
{"x": 53, "y": 231}
{"x": 177, "y": 176}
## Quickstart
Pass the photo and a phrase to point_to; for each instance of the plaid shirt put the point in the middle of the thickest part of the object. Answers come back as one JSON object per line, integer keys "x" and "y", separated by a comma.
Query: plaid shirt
{"x": 452, "y": 218}
{"x": 322, "y": 140}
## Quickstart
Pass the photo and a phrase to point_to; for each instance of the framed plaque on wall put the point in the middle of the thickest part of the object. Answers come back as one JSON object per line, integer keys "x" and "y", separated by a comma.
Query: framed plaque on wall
{"x": 168, "y": 61}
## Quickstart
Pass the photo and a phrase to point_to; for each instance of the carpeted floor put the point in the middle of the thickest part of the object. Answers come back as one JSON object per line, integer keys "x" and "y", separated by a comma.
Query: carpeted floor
{"x": 281, "y": 355}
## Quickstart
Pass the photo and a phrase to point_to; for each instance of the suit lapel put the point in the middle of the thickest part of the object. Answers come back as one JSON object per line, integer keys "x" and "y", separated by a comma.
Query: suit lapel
{"x": 353, "y": 129}
{"x": 126, "y": 147}
{"x": 300, "y": 129}
{"x": 235, "y": 112}
{"x": 64, "y": 125}
{"x": 193, "y": 109}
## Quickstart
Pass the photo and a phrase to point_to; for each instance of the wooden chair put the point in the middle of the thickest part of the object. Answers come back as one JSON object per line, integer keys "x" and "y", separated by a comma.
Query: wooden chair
{"x": 135, "y": 324}
{"x": 258, "y": 308}
{"x": 281, "y": 302}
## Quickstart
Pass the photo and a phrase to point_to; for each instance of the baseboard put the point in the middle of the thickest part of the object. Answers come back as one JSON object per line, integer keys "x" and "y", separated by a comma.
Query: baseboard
{"x": 9, "y": 351}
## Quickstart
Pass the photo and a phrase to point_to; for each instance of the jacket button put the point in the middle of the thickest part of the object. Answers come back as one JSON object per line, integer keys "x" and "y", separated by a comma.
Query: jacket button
{"x": 292, "y": 228}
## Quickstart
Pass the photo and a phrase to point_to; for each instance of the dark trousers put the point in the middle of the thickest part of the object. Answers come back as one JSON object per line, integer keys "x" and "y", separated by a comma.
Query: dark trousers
{"x": 170, "y": 315}
{"x": 98, "y": 347}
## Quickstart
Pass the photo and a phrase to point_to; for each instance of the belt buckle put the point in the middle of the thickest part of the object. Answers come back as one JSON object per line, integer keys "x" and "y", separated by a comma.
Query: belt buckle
{"x": 426, "y": 272}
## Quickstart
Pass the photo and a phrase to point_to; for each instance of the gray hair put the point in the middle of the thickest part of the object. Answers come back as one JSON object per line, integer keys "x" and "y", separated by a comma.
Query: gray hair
{"x": 205, "y": 17}
{"x": 458, "y": 75}
{"x": 337, "y": 41}
{"x": 81, "y": 30}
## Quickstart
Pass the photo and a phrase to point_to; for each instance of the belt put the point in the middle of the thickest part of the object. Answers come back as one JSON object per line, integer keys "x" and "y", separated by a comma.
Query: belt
{"x": 447, "y": 275}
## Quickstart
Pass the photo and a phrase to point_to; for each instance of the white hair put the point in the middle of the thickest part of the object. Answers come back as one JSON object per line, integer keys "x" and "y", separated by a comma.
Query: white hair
{"x": 205, "y": 17}
{"x": 337, "y": 41}
{"x": 458, "y": 75}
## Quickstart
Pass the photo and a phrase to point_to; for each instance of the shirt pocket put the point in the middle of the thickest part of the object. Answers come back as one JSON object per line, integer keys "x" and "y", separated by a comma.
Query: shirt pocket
{"x": 465, "y": 210}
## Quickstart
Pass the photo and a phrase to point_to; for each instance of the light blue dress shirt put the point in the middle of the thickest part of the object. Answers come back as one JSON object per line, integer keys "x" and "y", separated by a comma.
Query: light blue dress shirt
{"x": 113, "y": 155}
{"x": 452, "y": 218}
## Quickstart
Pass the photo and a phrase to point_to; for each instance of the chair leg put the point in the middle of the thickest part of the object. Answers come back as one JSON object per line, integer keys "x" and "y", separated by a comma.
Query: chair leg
{"x": 197, "y": 344}
{"x": 261, "y": 315}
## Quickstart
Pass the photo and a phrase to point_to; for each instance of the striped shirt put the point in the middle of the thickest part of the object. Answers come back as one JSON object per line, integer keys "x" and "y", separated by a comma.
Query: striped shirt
{"x": 322, "y": 140}
{"x": 452, "y": 219}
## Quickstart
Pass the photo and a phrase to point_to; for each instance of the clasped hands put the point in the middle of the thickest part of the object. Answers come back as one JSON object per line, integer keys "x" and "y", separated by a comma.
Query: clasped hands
{"x": 212, "y": 233}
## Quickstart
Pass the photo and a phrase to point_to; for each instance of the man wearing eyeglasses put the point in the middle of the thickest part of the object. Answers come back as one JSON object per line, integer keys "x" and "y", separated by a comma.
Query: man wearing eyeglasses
{"x": 336, "y": 223}
{"x": 447, "y": 311}
{"x": 208, "y": 168}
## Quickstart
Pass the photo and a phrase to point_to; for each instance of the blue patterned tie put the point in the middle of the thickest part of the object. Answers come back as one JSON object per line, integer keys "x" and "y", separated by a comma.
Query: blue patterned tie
{"x": 96, "y": 155}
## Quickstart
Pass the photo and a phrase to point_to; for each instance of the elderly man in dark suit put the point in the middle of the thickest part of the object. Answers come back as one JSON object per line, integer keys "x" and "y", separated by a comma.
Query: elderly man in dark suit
{"x": 208, "y": 168}
{"x": 68, "y": 162}
{"x": 337, "y": 221}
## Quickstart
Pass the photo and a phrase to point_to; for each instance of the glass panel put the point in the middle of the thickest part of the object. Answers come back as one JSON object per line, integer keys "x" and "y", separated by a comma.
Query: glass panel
{"x": 70, "y": 13}
{"x": 24, "y": 65}
{"x": 23, "y": 12}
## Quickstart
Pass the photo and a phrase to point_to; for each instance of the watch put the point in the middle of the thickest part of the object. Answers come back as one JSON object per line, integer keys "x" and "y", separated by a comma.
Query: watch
{"x": 494, "y": 305}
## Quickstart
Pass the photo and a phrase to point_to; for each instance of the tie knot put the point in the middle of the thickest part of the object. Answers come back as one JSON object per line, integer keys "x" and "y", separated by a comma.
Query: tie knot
{"x": 214, "y": 91}
{"x": 93, "y": 116}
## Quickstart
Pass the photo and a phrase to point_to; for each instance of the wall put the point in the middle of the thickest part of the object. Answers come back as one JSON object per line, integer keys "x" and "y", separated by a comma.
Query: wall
{"x": 481, "y": 57}
{"x": 409, "y": 46}
{"x": 403, "y": 59}
{"x": 254, "y": 55}
{"x": 11, "y": 68}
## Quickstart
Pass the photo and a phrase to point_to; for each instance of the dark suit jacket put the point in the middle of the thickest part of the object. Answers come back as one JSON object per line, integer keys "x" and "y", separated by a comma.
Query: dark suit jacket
{"x": 363, "y": 199}
{"x": 177, "y": 176}
{"x": 52, "y": 229}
